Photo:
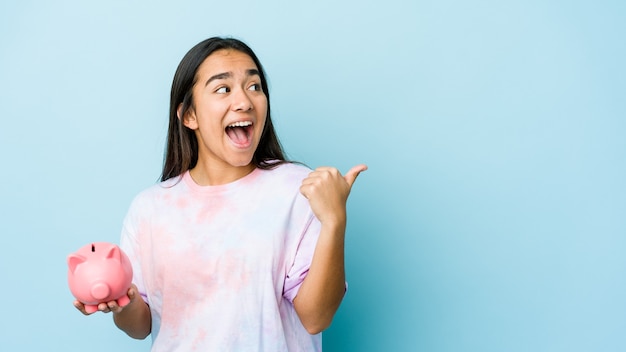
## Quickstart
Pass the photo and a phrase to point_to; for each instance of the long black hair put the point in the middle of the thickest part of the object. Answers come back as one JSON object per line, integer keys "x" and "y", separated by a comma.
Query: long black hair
{"x": 181, "y": 153}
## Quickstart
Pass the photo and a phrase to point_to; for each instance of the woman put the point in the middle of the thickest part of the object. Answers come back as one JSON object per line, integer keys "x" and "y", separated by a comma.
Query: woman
{"x": 236, "y": 249}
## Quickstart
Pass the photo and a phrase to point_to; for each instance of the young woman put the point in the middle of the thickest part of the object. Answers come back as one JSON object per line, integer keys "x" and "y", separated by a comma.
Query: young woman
{"x": 237, "y": 249}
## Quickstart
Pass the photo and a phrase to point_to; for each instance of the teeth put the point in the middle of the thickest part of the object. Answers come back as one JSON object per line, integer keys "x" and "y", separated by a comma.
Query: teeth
{"x": 240, "y": 124}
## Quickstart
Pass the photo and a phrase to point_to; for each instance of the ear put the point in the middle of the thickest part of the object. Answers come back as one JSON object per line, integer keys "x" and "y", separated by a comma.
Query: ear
{"x": 114, "y": 253}
{"x": 188, "y": 118}
{"x": 73, "y": 260}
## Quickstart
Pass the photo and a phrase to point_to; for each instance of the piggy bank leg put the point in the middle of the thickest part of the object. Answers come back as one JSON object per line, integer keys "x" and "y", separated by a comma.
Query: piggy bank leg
{"x": 90, "y": 308}
{"x": 123, "y": 301}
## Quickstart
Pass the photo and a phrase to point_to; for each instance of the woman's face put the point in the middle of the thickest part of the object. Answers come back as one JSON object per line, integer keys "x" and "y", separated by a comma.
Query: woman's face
{"x": 229, "y": 109}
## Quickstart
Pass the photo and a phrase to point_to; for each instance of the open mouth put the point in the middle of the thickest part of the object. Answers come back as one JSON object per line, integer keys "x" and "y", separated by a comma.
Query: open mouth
{"x": 240, "y": 133}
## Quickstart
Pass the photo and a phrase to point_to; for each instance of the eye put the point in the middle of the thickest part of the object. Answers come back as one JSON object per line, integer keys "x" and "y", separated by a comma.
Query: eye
{"x": 255, "y": 87}
{"x": 222, "y": 90}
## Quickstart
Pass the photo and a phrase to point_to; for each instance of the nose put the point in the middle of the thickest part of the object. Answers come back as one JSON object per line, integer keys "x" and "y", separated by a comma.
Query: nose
{"x": 241, "y": 101}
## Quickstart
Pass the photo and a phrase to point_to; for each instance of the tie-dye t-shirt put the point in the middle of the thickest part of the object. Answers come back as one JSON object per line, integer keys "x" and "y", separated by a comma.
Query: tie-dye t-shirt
{"x": 220, "y": 266}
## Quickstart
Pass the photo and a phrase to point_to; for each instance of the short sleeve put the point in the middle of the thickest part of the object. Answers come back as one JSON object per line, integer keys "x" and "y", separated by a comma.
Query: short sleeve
{"x": 302, "y": 260}
{"x": 130, "y": 245}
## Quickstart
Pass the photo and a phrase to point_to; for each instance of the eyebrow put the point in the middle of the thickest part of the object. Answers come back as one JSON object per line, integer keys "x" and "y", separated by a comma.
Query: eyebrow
{"x": 225, "y": 75}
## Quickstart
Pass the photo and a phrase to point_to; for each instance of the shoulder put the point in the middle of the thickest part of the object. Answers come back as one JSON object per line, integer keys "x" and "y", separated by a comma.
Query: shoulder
{"x": 291, "y": 169}
{"x": 159, "y": 191}
{"x": 287, "y": 173}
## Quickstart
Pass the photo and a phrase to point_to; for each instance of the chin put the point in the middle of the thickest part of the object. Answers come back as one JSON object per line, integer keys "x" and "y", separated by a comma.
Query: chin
{"x": 241, "y": 162}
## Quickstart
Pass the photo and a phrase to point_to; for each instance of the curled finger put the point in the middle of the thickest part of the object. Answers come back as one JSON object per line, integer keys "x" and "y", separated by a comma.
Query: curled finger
{"x": 80, "y": 307}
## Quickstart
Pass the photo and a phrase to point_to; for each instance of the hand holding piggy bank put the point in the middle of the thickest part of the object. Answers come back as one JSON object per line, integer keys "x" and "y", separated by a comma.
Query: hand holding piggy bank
{"x": 99, "y": 272}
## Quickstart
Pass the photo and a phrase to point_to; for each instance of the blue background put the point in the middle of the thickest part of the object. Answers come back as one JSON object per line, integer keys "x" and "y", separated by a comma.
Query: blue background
{"x": 493, "y": 214}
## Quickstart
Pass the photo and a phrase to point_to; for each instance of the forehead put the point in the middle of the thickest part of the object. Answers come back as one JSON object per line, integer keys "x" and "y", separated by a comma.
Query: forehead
{"x": 226, "y": 61}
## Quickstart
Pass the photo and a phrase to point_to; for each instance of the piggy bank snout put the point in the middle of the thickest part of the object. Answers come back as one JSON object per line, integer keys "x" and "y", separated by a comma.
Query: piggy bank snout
{"x": 100, "y": 290}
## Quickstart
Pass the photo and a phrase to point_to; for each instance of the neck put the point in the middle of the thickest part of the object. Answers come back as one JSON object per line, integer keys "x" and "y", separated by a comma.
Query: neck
{"x": 205, "y": 175}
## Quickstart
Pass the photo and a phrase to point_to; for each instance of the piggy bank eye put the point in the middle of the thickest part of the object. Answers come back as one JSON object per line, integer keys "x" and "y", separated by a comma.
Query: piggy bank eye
{"x": 93, "y": 248}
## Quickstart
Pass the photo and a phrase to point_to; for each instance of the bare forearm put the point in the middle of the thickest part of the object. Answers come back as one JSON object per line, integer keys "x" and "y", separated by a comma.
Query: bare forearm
{"x": 323, "y": 289}
{"x": 135, "y": 319}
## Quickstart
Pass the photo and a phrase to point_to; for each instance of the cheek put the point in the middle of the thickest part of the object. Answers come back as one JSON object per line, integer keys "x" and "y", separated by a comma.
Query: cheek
{"x": 262, "y": 115}
{"x": 261, "y": 128}
{"x": 211, "y": 125}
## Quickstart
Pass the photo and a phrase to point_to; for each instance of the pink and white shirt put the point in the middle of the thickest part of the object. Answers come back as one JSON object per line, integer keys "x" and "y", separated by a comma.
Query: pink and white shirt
{"x": 220, "y": 266}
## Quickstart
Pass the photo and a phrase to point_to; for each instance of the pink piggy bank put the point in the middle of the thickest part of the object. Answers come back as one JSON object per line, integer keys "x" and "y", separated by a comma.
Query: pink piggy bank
{"x": 99, "y": 272}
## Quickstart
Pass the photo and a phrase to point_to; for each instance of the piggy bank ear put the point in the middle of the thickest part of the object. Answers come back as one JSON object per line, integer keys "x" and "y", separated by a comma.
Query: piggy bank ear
{"x": 114, "y": 253}
{"x": 73, "y": 260}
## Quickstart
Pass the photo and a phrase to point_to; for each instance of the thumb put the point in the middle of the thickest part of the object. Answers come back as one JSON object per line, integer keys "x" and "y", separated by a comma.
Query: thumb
{"x": 132, "y": 292}
{"x": 351, "y": 175}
